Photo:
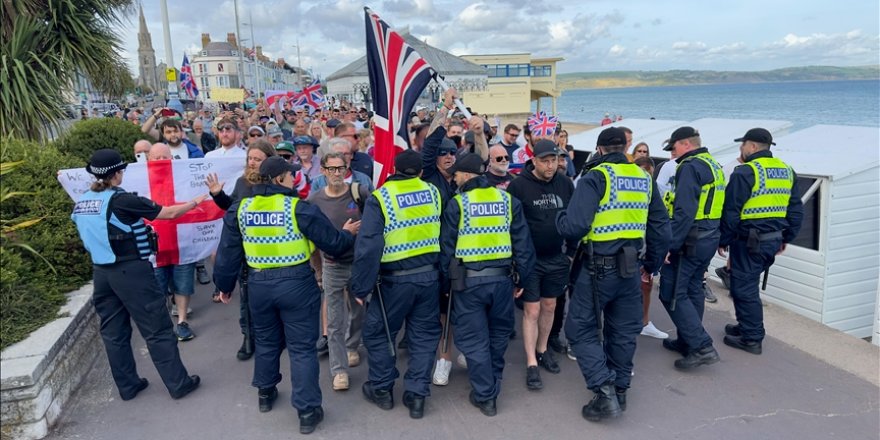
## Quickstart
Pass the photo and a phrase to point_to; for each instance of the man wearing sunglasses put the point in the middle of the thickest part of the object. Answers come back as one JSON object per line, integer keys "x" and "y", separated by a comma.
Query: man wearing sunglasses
{"x": 499, "y": 161}
{"x": 230, "y": 140}
{"x": 255, "y": 132}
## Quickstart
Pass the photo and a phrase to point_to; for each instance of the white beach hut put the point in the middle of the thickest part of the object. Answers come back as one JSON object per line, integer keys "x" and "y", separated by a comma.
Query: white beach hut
{"x": 831, "y": 272}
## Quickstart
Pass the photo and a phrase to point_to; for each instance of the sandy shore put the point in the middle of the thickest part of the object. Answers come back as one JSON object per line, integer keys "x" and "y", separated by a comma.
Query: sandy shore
{"x": 577, "y": 127}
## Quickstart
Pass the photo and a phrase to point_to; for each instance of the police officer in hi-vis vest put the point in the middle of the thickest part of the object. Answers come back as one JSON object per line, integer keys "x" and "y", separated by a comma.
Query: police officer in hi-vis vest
{"x": 762, "y": 213}
{"x": 484, "y": 240}
{"x": 275, "y": 233}
{"x": 615, "y": 208}
{"x": 111, "y": 226}
{"x": 694, "y": 206}
{"x": 399, "y": 245}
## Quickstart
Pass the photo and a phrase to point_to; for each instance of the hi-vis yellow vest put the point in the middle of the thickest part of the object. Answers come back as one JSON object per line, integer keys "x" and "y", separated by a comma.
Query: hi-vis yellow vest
{"x": 484, "y": 225}
{"x": 717, "y": 187}
{"x": 270, "y": 234}
{"x": 771, "y": 191}
{"x": 412, "y": 218}
{"x": 623, "y": 210}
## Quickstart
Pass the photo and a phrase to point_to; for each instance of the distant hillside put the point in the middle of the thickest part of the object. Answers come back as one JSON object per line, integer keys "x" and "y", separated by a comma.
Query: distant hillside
{"x": 597, "y": 80}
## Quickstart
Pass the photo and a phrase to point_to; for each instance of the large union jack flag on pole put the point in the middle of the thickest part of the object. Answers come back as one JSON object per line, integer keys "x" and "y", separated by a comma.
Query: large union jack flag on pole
{"x": 398, "y": 75}
{"x": 187, "y": 82}
{"x": 310, "y": 96}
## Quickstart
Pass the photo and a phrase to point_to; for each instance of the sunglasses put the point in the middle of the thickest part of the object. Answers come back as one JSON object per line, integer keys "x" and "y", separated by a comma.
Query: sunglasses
{"x": 502, "y": 159}
{"x": 255, "y": 135}
{"x": 226, "y": 128}
{"x": 336, "y": 169}
{"x": 286, "y": 156}
{"x": 446, "y": 153}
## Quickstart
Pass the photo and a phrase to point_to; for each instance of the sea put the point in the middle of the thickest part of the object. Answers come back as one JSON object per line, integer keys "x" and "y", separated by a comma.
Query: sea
{"x": 803, "y": 103}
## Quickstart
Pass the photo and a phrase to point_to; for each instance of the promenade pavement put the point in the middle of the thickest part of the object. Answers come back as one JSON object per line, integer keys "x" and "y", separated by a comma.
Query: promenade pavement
{"x": 815, "y": 383}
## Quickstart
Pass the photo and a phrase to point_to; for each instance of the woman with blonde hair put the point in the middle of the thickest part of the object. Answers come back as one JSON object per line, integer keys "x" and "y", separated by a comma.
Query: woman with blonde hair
{"x": 365, "y": 141}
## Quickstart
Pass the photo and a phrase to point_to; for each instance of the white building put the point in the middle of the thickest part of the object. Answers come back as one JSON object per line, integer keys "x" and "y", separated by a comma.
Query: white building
{"x": 217, "y": 65}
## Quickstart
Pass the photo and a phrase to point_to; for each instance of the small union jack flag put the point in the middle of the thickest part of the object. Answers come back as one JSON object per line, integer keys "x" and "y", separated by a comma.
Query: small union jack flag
{"x": 187, "y": 82}
{"x": 542, "y": 125}
{"x": 310, "y": 96}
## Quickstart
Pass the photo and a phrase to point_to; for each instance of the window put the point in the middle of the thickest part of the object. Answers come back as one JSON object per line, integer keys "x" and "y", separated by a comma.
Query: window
{"x": 542, "y": 70}
{"x": 808, "y": 237}
{"x": 204, "y": 53}
{"x": 220, "y": 67}
{"x": 204, "y": 82}
{"x": 507, "y": 70}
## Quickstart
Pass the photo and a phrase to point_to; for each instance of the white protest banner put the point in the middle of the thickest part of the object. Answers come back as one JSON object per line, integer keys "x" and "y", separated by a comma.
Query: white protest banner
{"x": 196, "y": 234}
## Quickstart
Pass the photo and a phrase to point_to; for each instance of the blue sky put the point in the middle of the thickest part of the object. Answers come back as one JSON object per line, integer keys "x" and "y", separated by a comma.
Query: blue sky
{"x": 592, "y": 35}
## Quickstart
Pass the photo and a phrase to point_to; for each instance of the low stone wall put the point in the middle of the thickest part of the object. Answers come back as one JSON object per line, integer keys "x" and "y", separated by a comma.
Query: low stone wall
{"x": 40, "y": 373}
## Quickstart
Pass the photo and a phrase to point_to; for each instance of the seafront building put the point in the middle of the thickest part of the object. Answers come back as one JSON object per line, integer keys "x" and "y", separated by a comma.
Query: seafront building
{"x": 515, "y": 81}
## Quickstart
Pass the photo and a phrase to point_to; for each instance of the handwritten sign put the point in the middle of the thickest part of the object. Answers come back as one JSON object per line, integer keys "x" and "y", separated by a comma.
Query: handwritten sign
{"x": 221, "y": 94}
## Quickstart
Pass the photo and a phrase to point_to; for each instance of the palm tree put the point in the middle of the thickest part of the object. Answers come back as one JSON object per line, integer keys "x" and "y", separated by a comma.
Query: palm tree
{"x": 44, "y": 44}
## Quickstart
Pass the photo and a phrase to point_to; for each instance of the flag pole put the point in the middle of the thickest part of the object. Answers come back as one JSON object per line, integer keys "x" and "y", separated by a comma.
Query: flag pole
{"x": 458, "y": 103}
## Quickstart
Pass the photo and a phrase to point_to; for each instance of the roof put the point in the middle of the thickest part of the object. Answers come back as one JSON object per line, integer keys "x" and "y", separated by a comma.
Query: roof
{"x": 586, "y": 141}
{"x": 443, "y": 62}
{"x": 218, "y": 48}
{"x": 833, "y": 151}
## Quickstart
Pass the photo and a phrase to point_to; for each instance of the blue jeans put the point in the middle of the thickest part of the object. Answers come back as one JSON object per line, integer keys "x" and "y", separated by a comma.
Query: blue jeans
{"x": 178, "y": 277}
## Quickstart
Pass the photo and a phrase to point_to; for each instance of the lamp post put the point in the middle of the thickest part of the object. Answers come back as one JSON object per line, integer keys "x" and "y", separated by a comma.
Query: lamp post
{"x": 298, "y": 65}
{"x": 173, "y": 101}
{"x": 238, "y": 49}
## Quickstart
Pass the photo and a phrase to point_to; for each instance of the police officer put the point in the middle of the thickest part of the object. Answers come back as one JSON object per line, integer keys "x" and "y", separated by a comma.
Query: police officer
{"x": 273, "y": 232}
{"x": 762, "y": 213}
{"x": 111, "y": 226}
{"x": 615, "y": 207}
{"x": 694, "y": 205}
{"x": 484, "y": 239}
{"x": 400, "y": 245}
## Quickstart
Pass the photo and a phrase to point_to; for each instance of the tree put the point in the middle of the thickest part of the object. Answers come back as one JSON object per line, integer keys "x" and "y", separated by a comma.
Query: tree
{"x": 44, "y": 44}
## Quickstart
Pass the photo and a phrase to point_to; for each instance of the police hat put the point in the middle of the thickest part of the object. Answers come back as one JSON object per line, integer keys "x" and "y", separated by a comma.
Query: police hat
{"x": 680, "y": 134}
{"x": 105, "y": 162}
{"x": 759, "y": 135}
{"x": 275, "y": 166}
{"x": 408, "y": 163}
{"x": 469, "y": 163}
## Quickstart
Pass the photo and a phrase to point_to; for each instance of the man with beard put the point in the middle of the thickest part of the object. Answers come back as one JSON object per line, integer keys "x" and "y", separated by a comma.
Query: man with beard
{"x": 181, "y": 148}
{"x": 499, "y": 161}
{"x": 230, "y": 140}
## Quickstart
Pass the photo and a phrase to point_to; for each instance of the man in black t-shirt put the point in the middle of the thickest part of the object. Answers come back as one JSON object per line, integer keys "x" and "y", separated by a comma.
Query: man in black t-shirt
{"x": 496, "y": 172}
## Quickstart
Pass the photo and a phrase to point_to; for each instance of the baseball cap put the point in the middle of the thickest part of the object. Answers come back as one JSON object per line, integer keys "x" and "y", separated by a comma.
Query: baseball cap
{"x": 256, "y": 128}
{"x": 759, "y": 135}
{"x": 305, "y": 140}
{"x": 611, "y": 136}
{"x": 545, "y": 147}
{"x": 680, "y": 134}
{"x": 273, "y": 131}
{"x": 408, "y": 163}
{"x": 285, "y": 146}
{"x": 275, "y": 166}
{"x": 333, "y": 123}
{"x": 469, "y": 163}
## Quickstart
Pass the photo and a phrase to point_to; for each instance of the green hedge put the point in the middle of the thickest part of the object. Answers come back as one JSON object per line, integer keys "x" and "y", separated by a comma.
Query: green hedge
{"x": 31, "y": 292}
{"x": 87, "y": 136}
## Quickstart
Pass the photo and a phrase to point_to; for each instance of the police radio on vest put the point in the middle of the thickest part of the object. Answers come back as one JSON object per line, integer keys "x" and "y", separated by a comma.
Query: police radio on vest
{"x": 271, "y": 218}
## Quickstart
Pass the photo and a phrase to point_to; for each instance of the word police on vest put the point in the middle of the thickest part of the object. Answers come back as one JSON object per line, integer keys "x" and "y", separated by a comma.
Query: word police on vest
{"x": 271, "y": 218}
{"x": 88, "y": 207}
{"x": 778, "y": 173}
{"x": 487, "y": 209}
{"x": 408, "y": 200}
{"x": 632, "y": 184}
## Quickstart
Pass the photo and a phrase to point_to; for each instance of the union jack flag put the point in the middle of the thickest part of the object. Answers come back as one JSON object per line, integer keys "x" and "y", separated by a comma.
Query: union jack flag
{"x": 310, "y": 96}
{"x": 398, "y": 75}
{"x": 542, "y": 125}
{"x": 187, "y": 82}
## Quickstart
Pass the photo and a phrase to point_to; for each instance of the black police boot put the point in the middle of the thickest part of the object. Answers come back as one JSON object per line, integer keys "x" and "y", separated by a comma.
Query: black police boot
{"x": 246, "y": 351}
{"x": 704, "y": 356}
{"x": 266, "y": 397}
{"x": 415, "y": 403}
{"x": 142, "y": 385}
{"x": 676, "y": 345}
{"x": 604, "y": 404}
{"x": 308, "y": 421}
{"x": 487, "y": 407}
{"x": 382, "y": 398}
{"x": 548, "y": 362}
{"x": 194, "y": 382}
{"x": 753, "y": 347}
{"x": 732, "y": 330}
{"x": 621, "y": 397}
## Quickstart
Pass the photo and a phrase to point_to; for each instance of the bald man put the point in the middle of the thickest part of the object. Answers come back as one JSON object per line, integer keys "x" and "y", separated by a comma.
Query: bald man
{"x": 141, "y": 150}
{"x": 159, "y": 151}
{"x": 499, "y": 161}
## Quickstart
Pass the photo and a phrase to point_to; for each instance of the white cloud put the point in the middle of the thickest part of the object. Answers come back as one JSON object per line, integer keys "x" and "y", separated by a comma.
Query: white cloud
{"x": 616, "y": 50}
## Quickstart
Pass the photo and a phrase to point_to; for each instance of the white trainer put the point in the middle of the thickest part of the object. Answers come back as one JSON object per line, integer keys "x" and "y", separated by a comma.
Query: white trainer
{"x": 654, "y": 332}
{"x": 461, "y": 361}
{"x": 441, "y": 372}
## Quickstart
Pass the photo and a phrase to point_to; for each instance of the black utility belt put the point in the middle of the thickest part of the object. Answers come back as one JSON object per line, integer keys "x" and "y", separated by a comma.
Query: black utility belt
{"x": 413, "y": 271}
{"x": 767, "y": 236}
{"x": 488, "y": 272}
{"x": 273, "y": 269}
{"x": 625, "y": 262}
{"x": 604, "y": 261}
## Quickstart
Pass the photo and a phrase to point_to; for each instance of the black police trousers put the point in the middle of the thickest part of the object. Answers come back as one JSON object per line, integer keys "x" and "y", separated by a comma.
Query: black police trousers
{"x": 128, "y": 291}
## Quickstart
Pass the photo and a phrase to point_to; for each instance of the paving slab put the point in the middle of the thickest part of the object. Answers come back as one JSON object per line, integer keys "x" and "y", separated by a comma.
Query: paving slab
{"x": 786, "y": 393}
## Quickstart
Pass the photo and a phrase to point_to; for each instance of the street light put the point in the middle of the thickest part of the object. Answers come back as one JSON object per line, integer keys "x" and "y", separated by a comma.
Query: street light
{"x": 298, "y": 65}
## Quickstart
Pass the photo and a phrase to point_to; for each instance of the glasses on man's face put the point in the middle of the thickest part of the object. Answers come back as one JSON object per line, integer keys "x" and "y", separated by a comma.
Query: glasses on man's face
{"x": 446, "y": 153}
{"x": 502, "y": 159}
{"x": 226, "y": 128}
{"x": 286, "y": 156}
{"x": 255, "y": 135}
{"x": 335, "y": 170}
{"x": 512, "y": 134}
